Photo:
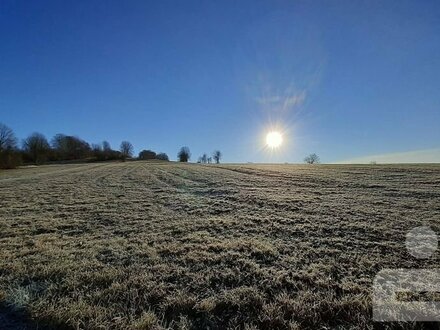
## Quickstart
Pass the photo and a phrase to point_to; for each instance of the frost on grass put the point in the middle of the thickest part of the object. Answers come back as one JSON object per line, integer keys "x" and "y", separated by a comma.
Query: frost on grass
{"x": 141, "y": 245}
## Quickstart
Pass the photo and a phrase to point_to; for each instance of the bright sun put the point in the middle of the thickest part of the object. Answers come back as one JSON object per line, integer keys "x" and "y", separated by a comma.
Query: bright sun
{"x": 274, "y": 139}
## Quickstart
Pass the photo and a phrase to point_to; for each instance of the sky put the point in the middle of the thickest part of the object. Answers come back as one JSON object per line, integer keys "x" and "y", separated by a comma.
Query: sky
{"x": 353, "y": 81}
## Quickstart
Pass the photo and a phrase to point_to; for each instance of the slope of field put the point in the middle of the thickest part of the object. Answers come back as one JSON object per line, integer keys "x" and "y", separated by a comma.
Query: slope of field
{"x": 152, "y": 245}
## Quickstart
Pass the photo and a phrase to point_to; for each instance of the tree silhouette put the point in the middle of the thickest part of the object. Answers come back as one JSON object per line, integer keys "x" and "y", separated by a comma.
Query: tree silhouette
{"x": 36, "y": 148}
{"x": 9, "y": 156}
{"x": 217, "y": 155}
{"x": 70, "y": 147}
{"x": 126, "y": 150}
{"x": 184, "y": 154}
{"x": 7, "y": 138}
{"x": 312, "y": 159}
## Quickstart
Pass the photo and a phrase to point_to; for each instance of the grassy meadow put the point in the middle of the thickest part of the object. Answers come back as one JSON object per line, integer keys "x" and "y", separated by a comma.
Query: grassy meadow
{"x": 152, "y": 245}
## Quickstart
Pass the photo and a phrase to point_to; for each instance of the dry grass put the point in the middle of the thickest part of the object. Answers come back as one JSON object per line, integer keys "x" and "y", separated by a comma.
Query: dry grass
{"x": 148, "y": 245}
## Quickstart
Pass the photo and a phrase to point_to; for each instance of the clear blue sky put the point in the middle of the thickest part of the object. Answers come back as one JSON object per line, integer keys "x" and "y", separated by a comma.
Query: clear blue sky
{"x": 344, "y": 79}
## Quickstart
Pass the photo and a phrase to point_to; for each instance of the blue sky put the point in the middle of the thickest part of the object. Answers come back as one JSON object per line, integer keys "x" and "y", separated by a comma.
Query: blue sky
{"x": 343, "y": 79}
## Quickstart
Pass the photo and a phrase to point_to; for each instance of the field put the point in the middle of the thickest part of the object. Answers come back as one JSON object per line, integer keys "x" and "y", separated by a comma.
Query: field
{"x": 144, "y": 245}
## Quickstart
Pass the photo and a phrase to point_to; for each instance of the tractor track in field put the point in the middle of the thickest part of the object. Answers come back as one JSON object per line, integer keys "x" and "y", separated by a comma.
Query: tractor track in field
{"x": 124, "y": 245}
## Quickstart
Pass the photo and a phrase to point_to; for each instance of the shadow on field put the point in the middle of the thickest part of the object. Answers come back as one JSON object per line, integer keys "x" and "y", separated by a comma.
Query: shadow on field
{"x": 14, "y": 320}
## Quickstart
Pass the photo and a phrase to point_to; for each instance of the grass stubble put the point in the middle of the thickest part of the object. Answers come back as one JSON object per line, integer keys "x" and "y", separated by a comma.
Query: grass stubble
{"x": 141, "y": 245}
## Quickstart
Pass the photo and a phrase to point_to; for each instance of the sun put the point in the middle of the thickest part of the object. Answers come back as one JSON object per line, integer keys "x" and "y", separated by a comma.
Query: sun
{"x": 274, "y": 139}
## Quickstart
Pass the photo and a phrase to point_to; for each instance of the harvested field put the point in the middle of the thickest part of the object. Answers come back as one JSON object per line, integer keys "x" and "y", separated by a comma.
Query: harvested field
{"x": 163, "y": 245}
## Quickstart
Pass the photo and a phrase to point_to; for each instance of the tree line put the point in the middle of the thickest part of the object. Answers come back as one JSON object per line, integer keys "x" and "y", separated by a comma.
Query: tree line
{"x": 184, "y": 155}
{"x": 37, "y": 149}
{"x": 205, "y": 159}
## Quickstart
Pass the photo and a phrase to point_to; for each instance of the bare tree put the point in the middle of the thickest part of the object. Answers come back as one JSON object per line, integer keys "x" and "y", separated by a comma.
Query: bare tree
{"x": 7, "y": 138}
{"x": 9, "y": 156}
{"x": 204, "y": 159}
{"x": 126, "y": 150}
{"x": 184, "y": 154}
{"x": 36, "y": 147}
{"x": 209, "y": 160}
{"x": 217, "y": 155}
{"x": 312, "y": 159}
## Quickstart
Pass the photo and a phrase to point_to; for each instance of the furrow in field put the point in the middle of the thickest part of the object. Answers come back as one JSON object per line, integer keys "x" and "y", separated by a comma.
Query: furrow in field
{"x": 207, "y": 243}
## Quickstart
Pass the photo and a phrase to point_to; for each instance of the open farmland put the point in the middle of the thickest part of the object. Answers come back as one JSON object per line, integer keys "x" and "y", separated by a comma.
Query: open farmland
{"x": 163, "y": 245}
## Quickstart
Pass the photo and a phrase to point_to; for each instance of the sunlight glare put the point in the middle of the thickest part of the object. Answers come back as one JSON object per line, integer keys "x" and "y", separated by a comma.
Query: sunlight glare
{"x": 274, "y": 139}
